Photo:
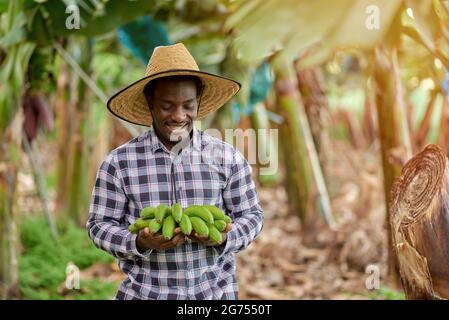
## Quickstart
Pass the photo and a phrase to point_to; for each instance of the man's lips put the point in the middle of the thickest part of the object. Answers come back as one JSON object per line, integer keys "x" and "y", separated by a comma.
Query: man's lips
{"x": 176, "y": 127}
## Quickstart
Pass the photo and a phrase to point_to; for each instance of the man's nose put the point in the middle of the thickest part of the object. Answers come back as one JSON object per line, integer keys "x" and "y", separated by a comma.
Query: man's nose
{"x": 179, "y": 114}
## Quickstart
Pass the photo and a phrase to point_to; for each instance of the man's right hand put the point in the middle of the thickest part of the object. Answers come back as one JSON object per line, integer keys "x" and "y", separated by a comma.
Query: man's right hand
{"x": 147, "y": 240}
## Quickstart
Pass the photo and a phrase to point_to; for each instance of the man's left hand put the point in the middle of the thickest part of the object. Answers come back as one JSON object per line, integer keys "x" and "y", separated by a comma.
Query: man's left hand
{"x": 205, "y": 240}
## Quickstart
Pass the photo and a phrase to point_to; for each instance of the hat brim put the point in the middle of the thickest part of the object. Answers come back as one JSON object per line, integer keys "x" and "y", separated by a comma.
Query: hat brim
{"x": 130, "y": 104}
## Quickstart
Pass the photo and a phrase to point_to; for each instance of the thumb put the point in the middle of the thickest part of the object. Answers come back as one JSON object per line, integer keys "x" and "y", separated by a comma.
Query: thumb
{"x": 228, "y": 227}
{"x": 145, "y": 232}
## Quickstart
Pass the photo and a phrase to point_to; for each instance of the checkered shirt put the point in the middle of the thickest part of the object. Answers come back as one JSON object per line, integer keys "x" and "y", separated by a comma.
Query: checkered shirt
{"x": 144, "y": 173}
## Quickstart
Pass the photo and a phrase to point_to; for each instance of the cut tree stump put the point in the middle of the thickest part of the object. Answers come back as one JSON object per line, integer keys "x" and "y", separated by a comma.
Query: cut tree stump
{"x": 419, "y": 219}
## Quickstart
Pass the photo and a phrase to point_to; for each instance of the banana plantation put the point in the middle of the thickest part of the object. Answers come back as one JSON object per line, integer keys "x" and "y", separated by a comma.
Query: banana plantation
{"x": 349, "y": 102}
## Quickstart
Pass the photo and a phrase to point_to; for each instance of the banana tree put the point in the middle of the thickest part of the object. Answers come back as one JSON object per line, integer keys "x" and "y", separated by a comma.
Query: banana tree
{"x": 323, "y": 27}
{"x": 16, "y": 52}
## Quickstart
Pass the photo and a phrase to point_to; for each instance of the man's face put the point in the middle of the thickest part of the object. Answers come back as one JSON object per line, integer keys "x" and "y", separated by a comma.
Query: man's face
{"x": 174, "y": 108}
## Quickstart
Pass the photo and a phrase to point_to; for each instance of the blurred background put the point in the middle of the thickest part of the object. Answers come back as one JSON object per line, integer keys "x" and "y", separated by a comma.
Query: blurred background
{"x": 354, "y": 88}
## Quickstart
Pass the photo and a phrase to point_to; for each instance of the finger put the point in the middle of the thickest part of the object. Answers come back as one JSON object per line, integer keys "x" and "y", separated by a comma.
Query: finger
{"x": 158, "y": 237}
{"x": 202, "y": 238}
{"x": 178, "y": 239}
{"x": 177, "y": 230}
{"x": 228, "y": 227}
{"x": 168, "y": 244}
{"x": 145, "y": 233}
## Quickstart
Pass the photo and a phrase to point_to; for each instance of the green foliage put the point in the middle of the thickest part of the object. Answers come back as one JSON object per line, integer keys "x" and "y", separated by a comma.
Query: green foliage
{"x": 95, "y": 290}
{"x": 15, "y": 63}
{"x": 43, "y": 263}
{"x": 41, "y": 69}
{"x": 96, "y": 17}
{"x": 385, "y": 293}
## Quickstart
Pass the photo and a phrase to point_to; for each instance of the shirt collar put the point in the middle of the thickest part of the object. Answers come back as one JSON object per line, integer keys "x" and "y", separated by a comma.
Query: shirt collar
{"x": 196, "y": 142}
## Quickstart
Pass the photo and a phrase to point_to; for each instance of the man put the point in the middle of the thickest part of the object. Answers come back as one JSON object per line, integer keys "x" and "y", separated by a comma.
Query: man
{"x": 173, "y": 162}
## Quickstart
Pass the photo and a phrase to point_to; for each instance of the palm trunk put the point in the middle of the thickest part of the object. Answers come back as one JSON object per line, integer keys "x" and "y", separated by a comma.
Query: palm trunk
{"x": 63, "y": 110}
{"x": 292, "y": 144}
{"x": 369, "y": 128}
{"x": 9, "y": 239}
{"x": 267, "y": 147}
{"x": 78, "y": 193}
{"x": 420, "y": 224}
{"x": 99, "y": 131}
{"x": 385, "y": 97}
{"x": 424, "y": 127}
{"x": 443, "y": 136}
{"x": 311, "y": 87}
{"x": 301, "y": 147}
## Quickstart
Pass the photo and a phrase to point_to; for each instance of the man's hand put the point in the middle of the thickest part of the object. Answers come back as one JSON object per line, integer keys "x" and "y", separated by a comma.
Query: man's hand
{"x": 205, "y": 240}
{"x": 147, "y": 240}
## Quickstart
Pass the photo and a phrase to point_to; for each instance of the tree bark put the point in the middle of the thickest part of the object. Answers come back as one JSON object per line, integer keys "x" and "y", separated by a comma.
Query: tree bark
{"x": 443, "y": 135}
{"x": 267, "y": 145}
{"x": 63, "y": 114}
{"x": 420, "y": 224}
{"x": 9, "y": 238}
{"x": 301, "y": 141}
{"x": 313, "y": 93}
{"x": 293, "y": 148}
{"x": 385, "y": 97}
{"x": 78, "y": 194}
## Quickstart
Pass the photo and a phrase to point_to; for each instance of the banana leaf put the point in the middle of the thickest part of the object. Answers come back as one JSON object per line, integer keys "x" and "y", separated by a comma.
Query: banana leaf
{"x": 142, "y": 36}
{"x": 95, "y": 19}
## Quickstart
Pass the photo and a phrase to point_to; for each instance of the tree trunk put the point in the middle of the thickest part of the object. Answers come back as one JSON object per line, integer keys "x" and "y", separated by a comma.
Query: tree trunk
{"x": 9, "y": 238}
{"x": 119, "y": 133}
{"x": 443, "y": 135}
{"x": 78, "y": 193}
{"x": 424, "y": 127}
{"x": 385, "y": 97}
{"x": 368, "y": 127}
{"x": 292, "y": 144}
{"x": 64, "y": 115}
{"x": 301, "y": 139}
{"x": 420, "y": 223}
{"x": 312, "y": 89}
{"x": 267, "y": 145}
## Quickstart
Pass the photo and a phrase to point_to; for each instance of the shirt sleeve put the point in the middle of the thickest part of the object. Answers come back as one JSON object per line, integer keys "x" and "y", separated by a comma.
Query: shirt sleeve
{"x": 107, "y": 210}
{"x": 242, "y": 204}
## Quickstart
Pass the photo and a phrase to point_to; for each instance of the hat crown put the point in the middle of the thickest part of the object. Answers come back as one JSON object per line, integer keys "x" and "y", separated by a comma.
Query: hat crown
{"x": 165, "y": 58}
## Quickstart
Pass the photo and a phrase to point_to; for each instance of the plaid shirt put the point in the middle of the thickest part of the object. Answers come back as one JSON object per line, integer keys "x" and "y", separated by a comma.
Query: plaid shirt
{"x": 144, "y": 173}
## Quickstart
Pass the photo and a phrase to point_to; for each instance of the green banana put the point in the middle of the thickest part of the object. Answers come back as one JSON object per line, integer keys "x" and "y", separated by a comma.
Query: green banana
{"x": 147, "y": 213}
{"x": 199, "y": 226}
{"x": 133, "y": 229}
{"x": 176, "y": 212}
{"x": 215, "y": 235}
{"x": 201, "y": 212}
{"x": 168, "y": 227}
{"x": 186, "y": 225}
{"x": 154, "y": 225}
{"x": 220, "y": 225}
{"x": 141, "y": 223}
{"x": 161, "y": 212}
{"x": 227, "y": 219}
{"x": 217, "y": 213}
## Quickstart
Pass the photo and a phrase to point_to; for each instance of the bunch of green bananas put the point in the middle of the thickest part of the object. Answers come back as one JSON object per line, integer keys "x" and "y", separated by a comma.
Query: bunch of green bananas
{"x": 206, "y": 220}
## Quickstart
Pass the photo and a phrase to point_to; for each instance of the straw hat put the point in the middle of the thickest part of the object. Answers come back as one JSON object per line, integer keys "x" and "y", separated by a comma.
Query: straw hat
{"x": 131, "y": 105}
